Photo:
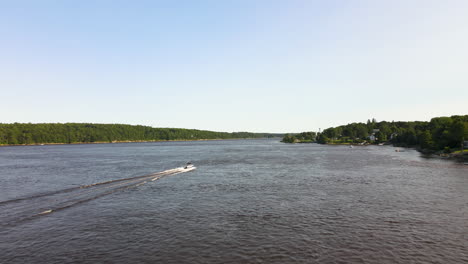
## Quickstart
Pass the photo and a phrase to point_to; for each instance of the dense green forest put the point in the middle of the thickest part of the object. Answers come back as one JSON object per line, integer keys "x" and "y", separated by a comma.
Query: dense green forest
{"x": 304, "y": 137}
{"x": 441, "y": 133}
{"x": 21, "y": 133}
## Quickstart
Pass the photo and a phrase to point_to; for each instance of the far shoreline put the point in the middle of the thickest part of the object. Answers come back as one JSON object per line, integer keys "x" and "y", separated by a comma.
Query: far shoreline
{"x": 125, "y": 141}
{"x": 456, "y": 155}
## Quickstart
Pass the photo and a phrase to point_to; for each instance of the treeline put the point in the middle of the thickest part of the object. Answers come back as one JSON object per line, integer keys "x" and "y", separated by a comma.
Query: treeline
{"x": 438, "y": 134}
{"x": 304, "y": 137}
{"x": 27, "y": 133}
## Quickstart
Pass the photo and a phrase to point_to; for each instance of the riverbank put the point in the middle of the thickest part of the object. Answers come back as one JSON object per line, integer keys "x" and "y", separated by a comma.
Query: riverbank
{"x": 456, "y": 154}
{"x": 125, "y": 141}
{"x": 453, "y": 154}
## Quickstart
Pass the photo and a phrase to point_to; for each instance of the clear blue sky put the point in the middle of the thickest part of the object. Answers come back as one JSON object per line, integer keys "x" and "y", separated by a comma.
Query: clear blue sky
{"x": 261, "y": 66}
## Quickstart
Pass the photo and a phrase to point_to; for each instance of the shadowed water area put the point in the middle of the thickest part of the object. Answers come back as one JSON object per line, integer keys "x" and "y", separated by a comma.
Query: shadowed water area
{"x": 249, "y": 201}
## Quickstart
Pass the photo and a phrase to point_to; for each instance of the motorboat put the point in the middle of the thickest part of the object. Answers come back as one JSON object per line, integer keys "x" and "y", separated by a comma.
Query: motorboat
{"x": 188, "y": 166}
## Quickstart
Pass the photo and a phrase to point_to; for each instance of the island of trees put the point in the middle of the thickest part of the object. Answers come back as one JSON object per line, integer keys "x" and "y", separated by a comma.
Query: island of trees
{"x": 440, "y": 134}
{"x": 69, "y": 133}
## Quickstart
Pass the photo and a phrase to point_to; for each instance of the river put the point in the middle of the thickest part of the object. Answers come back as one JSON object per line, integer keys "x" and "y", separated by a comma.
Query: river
{"x": 248, "y": 201}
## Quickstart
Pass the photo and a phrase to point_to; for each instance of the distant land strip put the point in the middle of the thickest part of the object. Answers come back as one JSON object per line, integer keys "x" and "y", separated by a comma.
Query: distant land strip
{"x": 441, "y": 135}
{"x": 83, "y": 133}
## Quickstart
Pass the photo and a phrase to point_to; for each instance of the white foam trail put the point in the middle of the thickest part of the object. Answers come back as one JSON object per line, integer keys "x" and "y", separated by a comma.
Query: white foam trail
{"x": 46, "y": 212}
{"x": 58, "y": 200}
{"x": 141, "y": 183}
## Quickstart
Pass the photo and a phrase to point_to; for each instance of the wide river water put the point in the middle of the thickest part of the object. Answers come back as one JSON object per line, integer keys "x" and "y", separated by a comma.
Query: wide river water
{"x": 248, "y": 201}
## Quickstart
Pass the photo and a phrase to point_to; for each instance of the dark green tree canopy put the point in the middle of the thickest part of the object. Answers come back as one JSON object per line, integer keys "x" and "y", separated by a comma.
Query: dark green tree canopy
{"x": 20, "y": 133}
{"x": 438, "y": 134}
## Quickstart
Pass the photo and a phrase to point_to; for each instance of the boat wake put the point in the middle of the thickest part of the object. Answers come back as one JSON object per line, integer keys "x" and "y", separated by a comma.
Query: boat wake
{"x": 22, "y": 209}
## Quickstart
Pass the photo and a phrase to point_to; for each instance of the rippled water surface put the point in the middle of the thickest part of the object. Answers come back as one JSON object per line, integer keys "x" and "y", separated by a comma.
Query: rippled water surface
{"x": 249, "y": 201}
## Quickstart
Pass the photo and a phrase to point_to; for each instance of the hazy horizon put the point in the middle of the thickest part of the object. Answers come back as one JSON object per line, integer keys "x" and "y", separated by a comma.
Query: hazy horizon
{"x": 257, "y": 66}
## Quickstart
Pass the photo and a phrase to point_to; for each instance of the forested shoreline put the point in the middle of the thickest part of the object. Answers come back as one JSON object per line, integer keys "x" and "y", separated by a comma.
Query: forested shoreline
{"x": 439, "y": 134}
{"x": 70, "y": 133}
